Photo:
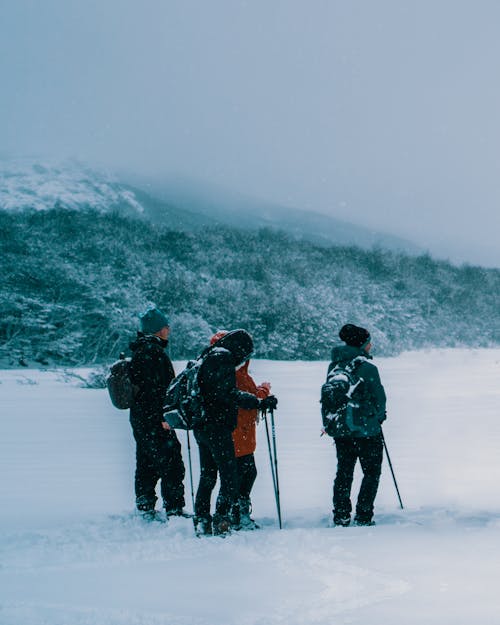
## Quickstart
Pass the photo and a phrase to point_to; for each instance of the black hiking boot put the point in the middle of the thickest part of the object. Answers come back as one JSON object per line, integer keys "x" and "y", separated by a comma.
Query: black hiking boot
{"x": 173, "y": 512}
{"x": 146, "y": 508}
{"x": 341, "y": 521}
{"x": 235, "y": 517}
{"x": 361, "y": 522}
{"x": 221, "y": 526}
{"x": 150, "y": 515}
{"x": 246, "y": 522}
{"x": 203, "y": 526}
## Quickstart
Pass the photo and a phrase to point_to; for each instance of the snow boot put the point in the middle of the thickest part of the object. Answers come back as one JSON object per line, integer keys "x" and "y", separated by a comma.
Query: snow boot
{"x": 364, "y": 516}
{"x": 203, "y": 526}
{"x": 150, "y": 515}
{"x": 146, "y": 508}
{"x": 361, "y": 522}
{"x": 341, "y": 521}
{"x": 177, "y": 512}
{"x": 246, "y": 522}
{"x": 235, "y": 517}
{"x": 221, "y": 526}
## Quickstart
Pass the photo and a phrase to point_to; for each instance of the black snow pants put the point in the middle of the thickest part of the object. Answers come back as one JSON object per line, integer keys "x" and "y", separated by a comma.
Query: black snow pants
{"x": 247, "y": 473}
{"x": 369, "y": 451}
{"x": 216, "y": 454}
{"x": 158, "y": 457}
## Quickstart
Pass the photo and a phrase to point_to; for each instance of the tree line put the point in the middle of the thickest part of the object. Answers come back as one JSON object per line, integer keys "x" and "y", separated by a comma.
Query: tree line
{"x": 73, "y": 283}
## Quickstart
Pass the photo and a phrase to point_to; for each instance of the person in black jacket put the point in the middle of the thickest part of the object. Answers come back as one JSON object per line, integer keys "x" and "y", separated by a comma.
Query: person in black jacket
{"x": 360, "y": 436}
{"x": 158, "y": 451}
{"x": 221, "y": 399}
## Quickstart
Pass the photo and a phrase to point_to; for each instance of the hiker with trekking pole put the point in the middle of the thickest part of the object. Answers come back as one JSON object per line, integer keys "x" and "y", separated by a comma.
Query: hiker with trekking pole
{"x": 213, "y": 431}
{"x": 353, "y": 409}
{"x": 245, "y": 442}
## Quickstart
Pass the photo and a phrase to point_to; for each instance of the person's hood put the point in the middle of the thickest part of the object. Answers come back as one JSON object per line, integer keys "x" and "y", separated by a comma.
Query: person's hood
{"x": 342, "y": 354}
{"x": 239, "y": 343}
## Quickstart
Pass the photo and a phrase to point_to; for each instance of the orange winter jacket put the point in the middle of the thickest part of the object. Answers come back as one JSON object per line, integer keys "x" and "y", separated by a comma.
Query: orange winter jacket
{"x": 244, "y": 436}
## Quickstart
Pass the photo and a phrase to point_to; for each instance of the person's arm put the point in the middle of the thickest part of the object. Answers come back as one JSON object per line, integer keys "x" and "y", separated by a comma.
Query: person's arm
{"x": 378, "y": 397}
{"x": 248, "y": 401}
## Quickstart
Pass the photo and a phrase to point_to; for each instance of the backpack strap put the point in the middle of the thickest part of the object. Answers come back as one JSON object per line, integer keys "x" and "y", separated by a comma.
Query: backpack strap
{"x": 355, "y": 363}
{"x": 348, "y": 368}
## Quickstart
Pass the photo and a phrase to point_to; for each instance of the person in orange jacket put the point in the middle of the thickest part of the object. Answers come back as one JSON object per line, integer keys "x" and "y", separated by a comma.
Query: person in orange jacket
{"x": 245, "y": 442}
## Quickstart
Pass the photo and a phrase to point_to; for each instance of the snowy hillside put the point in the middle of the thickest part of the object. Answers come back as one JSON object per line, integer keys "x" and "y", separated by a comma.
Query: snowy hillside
{"x": 73, "y": 283}
{"x": 45, "y": 185}
{"x": 179, "y": 204}
{"x": 72, "y": 553}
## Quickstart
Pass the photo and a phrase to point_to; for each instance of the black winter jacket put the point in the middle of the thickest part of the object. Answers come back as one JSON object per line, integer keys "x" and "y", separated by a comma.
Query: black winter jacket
{"x": 221, "y": 398}
{"x": 371, "y": 397}
{"x": 151, "y": 371}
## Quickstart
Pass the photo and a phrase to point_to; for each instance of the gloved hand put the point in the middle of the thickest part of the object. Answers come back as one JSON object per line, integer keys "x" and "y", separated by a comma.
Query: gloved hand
{"x": 268, "y": 403}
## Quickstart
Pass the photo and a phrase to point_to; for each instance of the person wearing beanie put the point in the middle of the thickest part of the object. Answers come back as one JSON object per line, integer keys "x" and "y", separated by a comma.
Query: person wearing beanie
{"x": 221, "y": 400}
{"x": 358, "y": 434}
{"x": 153, "y": 321}
{"x": 158, "y": 451}
{"x": 354, "y": 336}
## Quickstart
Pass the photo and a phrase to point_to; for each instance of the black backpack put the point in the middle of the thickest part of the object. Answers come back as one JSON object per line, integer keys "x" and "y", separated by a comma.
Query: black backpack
{"x": 337, "y": 397}
{"x": 183, "y": 408}
{"x": 120, "y": 387}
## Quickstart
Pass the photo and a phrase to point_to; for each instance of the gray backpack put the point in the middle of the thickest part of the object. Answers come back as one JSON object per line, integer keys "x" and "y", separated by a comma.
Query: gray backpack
{"x": 120, "y": 388}
{"x": 183, "y": 408}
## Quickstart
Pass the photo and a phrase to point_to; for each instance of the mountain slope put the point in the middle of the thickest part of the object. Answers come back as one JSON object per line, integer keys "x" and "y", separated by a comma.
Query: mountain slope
{"x": 179, "y": 204}
{"x": 235, "y": 209}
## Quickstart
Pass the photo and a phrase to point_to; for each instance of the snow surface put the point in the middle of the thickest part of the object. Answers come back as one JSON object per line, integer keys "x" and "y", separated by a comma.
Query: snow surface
{"x": 73, "y": 553}
{"x": 67, "y": 184}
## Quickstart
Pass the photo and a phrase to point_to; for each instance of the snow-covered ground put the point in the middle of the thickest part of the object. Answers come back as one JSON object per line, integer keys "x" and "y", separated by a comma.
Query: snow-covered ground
{"x": 26, "y": 183}
{"x": 72, "y": 553}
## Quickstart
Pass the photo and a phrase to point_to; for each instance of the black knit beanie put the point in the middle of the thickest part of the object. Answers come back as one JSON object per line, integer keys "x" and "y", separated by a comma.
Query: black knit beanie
{"x": 354, "y": 335}
{"x": 239, "y": 343}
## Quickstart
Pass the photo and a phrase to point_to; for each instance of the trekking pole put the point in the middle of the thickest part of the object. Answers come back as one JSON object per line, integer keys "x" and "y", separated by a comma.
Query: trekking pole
{"x": 273, "y": 430}
{"x": 190, "y": 468}
{"x": 264, "y": 416}
{"x": 392, "y": 470}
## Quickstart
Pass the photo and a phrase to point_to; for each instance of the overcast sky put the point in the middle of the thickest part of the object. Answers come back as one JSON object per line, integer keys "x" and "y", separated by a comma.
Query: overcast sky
{"x": 381, "y": 112}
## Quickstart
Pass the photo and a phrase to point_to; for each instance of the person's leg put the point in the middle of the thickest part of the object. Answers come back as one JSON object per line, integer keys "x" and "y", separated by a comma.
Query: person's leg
{"x": 146, "y": 475}
{"x": 346, "y": 461}
{"x": 208, "y": 477}
{"x": 247, "y": 473}
{"x": 222, "y": 448}
{"x": 172, "y": 473}
{"x": 240, "y": 513}
{"x": 370, "y": 451}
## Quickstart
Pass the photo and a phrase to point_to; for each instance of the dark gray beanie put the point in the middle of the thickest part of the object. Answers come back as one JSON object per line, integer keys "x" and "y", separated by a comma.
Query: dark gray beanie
{"x": 354, "y": 335}
{"x": 153, "y": 320}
